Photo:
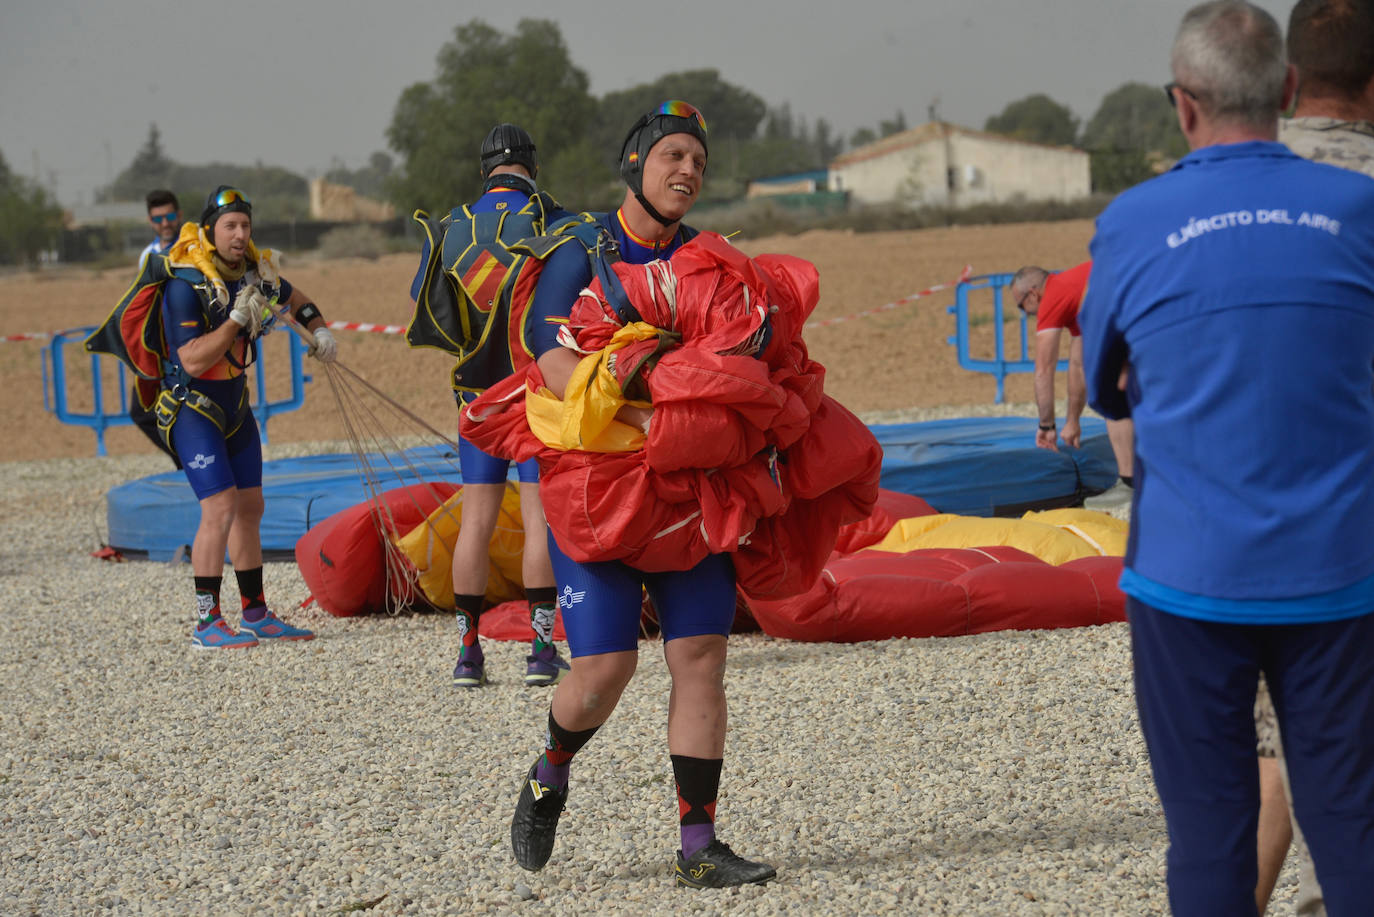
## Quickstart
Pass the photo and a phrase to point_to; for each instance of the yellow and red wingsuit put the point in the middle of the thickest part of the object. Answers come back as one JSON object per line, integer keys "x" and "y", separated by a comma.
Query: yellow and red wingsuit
{"x": 745, "y": 455}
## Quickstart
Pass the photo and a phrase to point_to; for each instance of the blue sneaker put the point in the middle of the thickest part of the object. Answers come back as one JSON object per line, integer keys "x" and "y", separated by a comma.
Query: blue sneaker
{"x": 470, "y": 672}
{"x": 272, "y": 627}
{"x": 545, "y": 667}
{"x": 218, "y": 636}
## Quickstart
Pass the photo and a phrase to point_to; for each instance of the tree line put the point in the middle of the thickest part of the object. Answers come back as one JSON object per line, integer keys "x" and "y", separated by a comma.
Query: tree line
{"x": 485, "y": 76}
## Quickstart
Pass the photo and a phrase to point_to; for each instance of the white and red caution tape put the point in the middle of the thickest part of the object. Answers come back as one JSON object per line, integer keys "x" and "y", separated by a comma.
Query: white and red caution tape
{"x": 367, "y": 326}
{"x": 370, "y": 327}
{"x": 963, "y": 275}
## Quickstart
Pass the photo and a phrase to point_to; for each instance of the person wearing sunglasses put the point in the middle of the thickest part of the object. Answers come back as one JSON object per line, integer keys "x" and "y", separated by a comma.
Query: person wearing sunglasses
{"x": 212, "y": 315}
{"x": 1053, "y": 299}
{"x": 1238, "y": 290}
{"x": 164, "y": 215}
{"x": 451, "y": 279}
{"x": 663, "y": 163}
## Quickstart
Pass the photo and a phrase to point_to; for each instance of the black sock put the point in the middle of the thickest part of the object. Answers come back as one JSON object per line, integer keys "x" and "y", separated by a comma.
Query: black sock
{"x": 698, "y": 785}
{"x": 250, "y": 587}
{"x": 1128, "y": 480}
{"x": 559, "y": 747}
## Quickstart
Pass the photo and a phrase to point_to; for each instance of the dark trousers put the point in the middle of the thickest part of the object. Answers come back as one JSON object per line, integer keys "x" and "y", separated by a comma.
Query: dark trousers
{"x": 1195, "y": 690}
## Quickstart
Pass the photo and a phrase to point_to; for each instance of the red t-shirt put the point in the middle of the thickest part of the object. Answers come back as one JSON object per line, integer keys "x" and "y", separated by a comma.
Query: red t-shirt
{"x": 1059, "y": 303}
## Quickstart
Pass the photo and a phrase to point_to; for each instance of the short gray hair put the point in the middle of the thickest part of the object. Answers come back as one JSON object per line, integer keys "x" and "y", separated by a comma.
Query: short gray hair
{"x": 1230, "y": 56}
{"x": 1027, "y": 277}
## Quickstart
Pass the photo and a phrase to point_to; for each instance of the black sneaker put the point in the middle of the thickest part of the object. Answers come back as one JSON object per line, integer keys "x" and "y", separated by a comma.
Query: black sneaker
{"x": 536, "y": 819}
{"x": 717, "y": 866}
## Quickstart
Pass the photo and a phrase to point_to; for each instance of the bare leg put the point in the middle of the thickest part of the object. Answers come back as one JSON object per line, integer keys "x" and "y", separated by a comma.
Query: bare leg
{"x": 535, "y": 567}
{"x": 471, "y": 552}
{"x": 696, "y": 706}
{"x": 1121, "y": 434}
{"x": 1275, "y": 831}
{"x": 588, "y": 695}
{"x": 245, "y": 534}
{"x": 217, "y": 513}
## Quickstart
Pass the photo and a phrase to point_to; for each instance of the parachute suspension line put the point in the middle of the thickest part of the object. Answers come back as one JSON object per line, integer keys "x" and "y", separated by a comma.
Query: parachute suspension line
{"x": 373, "y": 446}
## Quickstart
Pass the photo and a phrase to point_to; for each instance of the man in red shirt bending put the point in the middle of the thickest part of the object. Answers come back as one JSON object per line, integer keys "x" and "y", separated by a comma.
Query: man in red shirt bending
{"x": 1054, "y": 299}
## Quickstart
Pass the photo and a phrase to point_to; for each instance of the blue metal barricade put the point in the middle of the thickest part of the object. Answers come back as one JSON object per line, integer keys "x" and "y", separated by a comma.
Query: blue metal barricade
{"x": 999, "y": 366}
{"x": 100, "y": 418}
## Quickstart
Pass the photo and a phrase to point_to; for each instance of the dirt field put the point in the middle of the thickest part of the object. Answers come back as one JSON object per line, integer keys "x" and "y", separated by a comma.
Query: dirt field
{"x": 895, "y": 359}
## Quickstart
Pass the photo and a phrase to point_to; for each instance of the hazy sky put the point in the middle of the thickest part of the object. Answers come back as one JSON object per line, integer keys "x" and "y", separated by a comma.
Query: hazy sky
{"x": 297, "y": 83}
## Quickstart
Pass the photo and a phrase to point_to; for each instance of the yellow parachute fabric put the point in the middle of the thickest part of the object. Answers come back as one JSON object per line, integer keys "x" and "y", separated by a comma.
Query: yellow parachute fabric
{"x": 429, "y": 546}
{"x": 193, "y": 248}
{"x": 585, "y": 418}
{"x": 1055, "y": 536}
{"x": 1104, "y": 532}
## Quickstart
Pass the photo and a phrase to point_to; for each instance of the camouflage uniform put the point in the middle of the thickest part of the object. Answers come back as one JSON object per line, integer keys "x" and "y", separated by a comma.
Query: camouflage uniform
{"x": 1348, "y": 144}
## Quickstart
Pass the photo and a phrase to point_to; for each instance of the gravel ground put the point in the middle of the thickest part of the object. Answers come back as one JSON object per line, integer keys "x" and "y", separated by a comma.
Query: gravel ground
{"x": 995, "y": 774}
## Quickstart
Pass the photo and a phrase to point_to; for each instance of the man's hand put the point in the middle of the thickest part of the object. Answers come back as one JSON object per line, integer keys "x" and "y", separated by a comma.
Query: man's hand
{"x": 1045, "y": 439}
{"x": 635, "y": 416}
{"x": 247, "y": 311}
{"x": 1072, "y": 434}
{"x": 325, "y": 349}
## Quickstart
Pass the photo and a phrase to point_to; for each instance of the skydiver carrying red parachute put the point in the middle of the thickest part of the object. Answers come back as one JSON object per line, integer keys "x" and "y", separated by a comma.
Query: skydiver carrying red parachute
{"x": 685, "y": 446}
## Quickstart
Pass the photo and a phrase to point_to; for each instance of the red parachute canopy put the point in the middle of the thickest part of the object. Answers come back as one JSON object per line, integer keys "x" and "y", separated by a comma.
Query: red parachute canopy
{"x": 744, "y": 454}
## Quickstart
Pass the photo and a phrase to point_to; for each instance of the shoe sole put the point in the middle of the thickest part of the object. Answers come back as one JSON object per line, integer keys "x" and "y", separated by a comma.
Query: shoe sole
{"x": 226, "y": 646}
{"x": 543, "y": 681}
{"x": 684, "y": 882}
{"x": 469, "y": 682}
{"x": 262, "y": 639}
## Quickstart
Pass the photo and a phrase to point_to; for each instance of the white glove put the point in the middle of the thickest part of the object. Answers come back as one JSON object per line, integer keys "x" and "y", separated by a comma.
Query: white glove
{"x": 247, "y": 311}
{"x": 325, "y": 349}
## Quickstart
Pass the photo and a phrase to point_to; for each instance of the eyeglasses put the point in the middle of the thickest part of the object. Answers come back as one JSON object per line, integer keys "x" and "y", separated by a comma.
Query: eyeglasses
{"x": 163, "y": 217}
{"x": 680, "y": 109}
{"x": 1021, "y": 300}
{"x": 1169, "y": 93}
{"x": 229, "y": 196}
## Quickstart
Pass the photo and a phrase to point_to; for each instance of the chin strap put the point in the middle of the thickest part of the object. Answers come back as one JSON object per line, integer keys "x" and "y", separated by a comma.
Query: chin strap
{"x": 649, "y": 209}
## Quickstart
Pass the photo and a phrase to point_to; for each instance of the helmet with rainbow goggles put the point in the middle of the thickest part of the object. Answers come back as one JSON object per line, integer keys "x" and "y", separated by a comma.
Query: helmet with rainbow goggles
{"x": 672, "y": 117}
{"x": 224, "y": 199}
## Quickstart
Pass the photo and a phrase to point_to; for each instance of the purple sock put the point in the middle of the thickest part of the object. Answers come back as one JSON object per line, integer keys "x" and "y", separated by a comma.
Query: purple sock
{"x": 695, "y": 838}
{"x": 254, "y": 613}
{"x": 554, "y": 775}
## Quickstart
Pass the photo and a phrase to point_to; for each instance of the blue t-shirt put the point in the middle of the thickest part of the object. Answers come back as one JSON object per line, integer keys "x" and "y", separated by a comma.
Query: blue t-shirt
{"x": 1239, "y": 287}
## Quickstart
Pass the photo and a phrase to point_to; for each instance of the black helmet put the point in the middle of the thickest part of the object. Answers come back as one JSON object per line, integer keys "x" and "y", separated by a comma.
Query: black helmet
{"x": 508, "y": 145}
{"x": 224, "y": 199}
{"x": 672, "y": 117}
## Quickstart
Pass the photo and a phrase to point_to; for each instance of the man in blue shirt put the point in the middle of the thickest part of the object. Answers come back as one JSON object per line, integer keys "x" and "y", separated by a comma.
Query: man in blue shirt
{"x": 1231, "y": 315}
{"x": 164, "y": 215}
{"x": 663, "y": 162}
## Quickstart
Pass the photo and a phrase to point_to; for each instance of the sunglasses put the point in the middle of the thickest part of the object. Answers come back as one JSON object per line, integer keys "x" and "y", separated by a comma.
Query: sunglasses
{"x": 1021, "y": 302}
{"x": 1169, "y": 93}
{"x": 229, "y": 196}
{"x": 164, "y": 217}
{"x": 682, "y": 110}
